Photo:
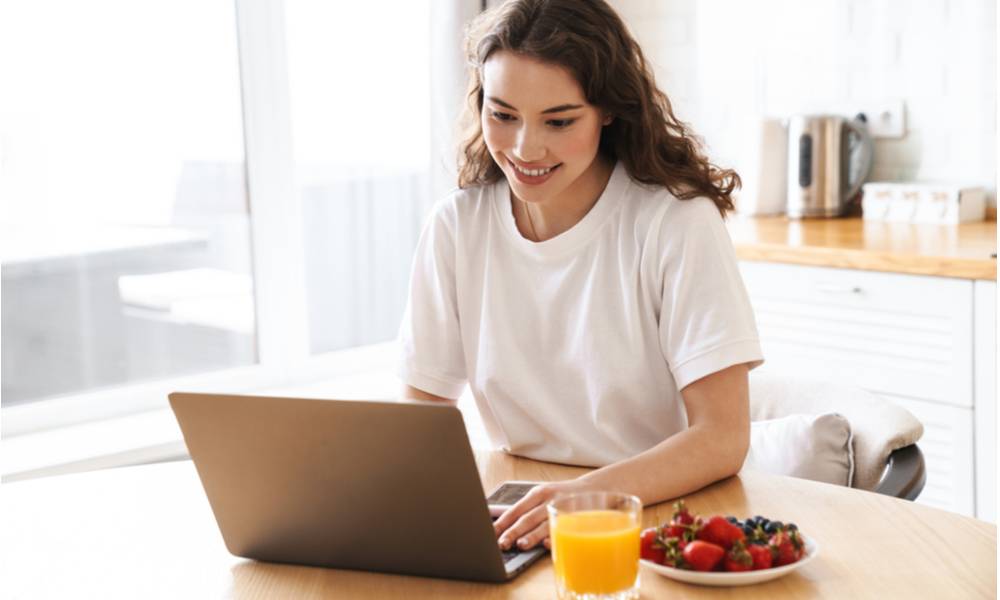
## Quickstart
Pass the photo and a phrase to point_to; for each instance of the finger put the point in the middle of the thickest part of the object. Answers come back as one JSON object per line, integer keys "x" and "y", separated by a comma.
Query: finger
{"x": 534, "y": 536}
{"x": 537, "y": 517}
{"x": 505, "y": 520}
{"x": 548, "y": 543}
{"x": 537, "y": 495}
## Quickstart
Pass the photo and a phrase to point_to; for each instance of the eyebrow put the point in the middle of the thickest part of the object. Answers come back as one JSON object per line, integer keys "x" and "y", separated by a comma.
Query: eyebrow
{"x": 554, "y": 109}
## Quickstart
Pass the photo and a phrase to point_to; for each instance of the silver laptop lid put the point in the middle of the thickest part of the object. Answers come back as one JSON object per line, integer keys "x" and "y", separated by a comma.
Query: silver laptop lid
{"x": 377, "y": 486}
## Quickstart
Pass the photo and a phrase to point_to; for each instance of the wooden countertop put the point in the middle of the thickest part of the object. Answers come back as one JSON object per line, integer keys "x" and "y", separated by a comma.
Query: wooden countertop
{"x": 962, "y": 251}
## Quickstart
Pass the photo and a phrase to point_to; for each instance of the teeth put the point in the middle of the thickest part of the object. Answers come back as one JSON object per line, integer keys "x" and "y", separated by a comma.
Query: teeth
{"x": 532, "y": 172}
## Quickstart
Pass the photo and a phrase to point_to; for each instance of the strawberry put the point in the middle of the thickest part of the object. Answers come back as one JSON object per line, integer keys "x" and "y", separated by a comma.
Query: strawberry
{"x": 738, "y": 558}
{"x": 651, "y": 546}
{"x": 721, "y": 532}
{"x": 787, "y": 546}
{"x": 675, "y": 530}
{"x": 703, "y": 556}
{"x": 735, "y": 535}
{"x": 761, "y": 555}
{"x": 680, "y": 525}
{"x": 674, "y": 553}
{"x": 681, "y": 514}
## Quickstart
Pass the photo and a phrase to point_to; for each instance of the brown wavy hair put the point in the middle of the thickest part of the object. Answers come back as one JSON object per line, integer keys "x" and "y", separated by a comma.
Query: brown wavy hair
{"x": 589, "y": 39}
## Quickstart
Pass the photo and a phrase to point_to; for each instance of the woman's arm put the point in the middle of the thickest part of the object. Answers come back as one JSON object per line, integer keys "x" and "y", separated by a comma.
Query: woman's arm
{"x": 411, "y": 393}
{"x": 713, "y": 447}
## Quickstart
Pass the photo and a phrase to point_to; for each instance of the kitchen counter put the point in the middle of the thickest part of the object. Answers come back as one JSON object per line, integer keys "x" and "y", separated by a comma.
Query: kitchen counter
{"x": 966, "y": 251}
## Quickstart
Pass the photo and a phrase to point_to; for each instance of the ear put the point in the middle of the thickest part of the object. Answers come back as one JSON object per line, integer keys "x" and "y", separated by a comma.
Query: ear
{"x": 607, "y": 120}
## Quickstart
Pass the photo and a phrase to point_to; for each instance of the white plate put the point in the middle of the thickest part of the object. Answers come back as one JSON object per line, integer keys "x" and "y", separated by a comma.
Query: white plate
{"x": 733, "y": 578}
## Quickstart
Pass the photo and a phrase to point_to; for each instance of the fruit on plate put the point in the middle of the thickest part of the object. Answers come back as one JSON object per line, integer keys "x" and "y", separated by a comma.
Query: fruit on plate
{"x": 702, "y": 556}
{"x": 720, "y": 531}
{"x": 738, "y": 558}
{"x": 681, "y": 524}
{"x": 651, "y": 545}
{"x": 674, "y": 552}
{"x": 681, "y": 514}
{"x": 786, "y": 547}
{"x": 761, "y": 555}
{"x": 721, "y": 543}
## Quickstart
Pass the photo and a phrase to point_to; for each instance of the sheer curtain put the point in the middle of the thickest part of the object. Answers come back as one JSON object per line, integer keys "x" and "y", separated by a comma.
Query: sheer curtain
{"x": 448, "y": 84}
{"x": 448, "y": 81}
{"x": 363, "y": 173}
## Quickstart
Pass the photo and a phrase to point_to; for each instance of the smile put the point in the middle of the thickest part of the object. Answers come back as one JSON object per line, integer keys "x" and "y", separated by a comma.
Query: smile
{"x": 533, "y": 175}
{"x": 533, "y": 172}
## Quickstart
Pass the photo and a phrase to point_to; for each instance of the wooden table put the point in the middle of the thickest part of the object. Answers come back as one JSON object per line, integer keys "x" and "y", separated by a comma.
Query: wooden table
{"x": 148, "y": 532}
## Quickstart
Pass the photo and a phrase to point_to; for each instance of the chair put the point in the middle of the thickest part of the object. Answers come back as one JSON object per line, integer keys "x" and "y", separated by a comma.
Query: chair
{"x": 887, "y": 459}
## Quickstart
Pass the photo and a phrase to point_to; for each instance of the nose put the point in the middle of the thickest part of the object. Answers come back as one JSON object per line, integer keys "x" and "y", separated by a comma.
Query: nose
{"x": 529, "y": 145}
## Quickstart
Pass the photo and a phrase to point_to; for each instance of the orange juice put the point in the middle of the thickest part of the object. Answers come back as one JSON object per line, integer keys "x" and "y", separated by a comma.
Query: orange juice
{"x": 595, "y": 551}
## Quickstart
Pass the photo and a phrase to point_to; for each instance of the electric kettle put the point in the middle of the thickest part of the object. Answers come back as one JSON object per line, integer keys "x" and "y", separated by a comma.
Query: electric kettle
{"x": 829, "y": 158}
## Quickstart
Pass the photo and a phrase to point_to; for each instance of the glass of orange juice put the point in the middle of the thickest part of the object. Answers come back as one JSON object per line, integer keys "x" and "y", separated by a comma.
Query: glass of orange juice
{"x": 595, "y": 545}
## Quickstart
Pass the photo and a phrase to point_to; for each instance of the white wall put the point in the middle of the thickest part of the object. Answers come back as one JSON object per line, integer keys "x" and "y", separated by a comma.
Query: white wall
{"x": 727, "y": 63}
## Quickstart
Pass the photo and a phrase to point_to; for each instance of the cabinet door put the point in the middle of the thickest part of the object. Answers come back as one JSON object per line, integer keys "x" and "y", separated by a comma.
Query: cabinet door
{"x": 898, "y": 334}
{"x": 947, "y": 447}
{"x": 906, "y": 338}
{"x": 986, "y": 399}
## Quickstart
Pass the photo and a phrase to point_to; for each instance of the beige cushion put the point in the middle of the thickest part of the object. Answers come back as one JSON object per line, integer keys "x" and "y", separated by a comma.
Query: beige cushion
{"x": 878, "y": 426}
{"x": 816, "y": 447}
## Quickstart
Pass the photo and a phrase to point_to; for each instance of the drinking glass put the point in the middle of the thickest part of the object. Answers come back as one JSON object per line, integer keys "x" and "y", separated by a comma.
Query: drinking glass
{"x": 595, "y": 545}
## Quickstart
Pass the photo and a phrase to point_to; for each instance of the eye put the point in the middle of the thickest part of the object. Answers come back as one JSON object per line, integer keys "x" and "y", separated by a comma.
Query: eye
{"x": 499, "y": 116}
{"x": 561, "y": 123}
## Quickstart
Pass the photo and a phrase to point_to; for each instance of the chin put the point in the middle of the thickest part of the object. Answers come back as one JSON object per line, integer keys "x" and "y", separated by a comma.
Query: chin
{"x": 533, "y": 193}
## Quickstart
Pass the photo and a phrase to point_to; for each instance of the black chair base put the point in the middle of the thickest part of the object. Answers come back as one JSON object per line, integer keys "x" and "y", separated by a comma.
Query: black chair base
{"x": 905, "y": 474}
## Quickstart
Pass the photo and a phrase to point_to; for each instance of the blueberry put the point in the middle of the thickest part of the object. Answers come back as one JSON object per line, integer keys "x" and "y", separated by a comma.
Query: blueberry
{"x": 773, "y": 527}
{"x": 793, "y": 527}
{"x": 748, "y": 530}
{"x": 732, "y": 519}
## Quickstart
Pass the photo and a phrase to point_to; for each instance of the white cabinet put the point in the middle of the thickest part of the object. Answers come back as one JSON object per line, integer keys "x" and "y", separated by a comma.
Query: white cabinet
{"x": 910, "y": 339}
{"x": 948, "y": 449}
{"x": 985, "y": 369}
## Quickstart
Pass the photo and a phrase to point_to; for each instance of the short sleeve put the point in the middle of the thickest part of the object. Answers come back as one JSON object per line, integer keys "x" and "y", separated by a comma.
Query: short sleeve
{"x": 706, "y": 320}
{"x": 429, "y": 336}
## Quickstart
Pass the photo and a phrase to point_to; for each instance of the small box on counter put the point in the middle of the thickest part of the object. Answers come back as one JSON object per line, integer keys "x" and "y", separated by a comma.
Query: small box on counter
{"x": 922, "y": 202}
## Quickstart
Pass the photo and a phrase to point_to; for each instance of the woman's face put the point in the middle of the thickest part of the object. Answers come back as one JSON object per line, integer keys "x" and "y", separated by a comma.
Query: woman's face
{"x": 535, "y": 116}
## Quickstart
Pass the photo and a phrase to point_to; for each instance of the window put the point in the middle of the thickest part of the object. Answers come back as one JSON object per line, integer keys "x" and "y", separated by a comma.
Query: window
{"x": 203, "y": 196}
{"x": 124, "y": 236}
{"x": 359, "y": 82}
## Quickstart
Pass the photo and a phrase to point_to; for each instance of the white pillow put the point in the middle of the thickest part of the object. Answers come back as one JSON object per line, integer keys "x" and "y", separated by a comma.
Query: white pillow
{"x": 816, "y": 447}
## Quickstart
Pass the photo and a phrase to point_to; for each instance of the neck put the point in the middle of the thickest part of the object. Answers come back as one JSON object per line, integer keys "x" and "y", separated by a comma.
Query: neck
{"x": 540, "y": 221}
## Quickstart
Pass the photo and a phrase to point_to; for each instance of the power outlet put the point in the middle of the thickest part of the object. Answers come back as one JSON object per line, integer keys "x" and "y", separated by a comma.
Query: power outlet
{"x": 886, "y": 118}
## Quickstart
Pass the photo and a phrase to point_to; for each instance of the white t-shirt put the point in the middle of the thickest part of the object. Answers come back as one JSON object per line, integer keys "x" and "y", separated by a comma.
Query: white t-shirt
{"x": 576, "y": 347}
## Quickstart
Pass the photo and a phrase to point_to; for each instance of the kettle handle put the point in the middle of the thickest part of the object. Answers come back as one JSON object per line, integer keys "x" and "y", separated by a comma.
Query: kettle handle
{"x": 866, "y": 149}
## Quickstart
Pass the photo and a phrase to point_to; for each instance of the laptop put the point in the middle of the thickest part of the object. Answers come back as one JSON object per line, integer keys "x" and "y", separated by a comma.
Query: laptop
{"x": 375, "y": 486}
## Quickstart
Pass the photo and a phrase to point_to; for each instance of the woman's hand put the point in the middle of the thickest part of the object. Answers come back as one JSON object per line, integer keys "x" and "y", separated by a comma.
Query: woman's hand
{"x": 527, "y": 521}
{"x": 713, "y": 447}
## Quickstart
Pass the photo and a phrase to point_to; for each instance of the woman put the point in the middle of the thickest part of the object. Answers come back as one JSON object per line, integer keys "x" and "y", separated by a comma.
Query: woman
{"x": 581, "y": 280}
